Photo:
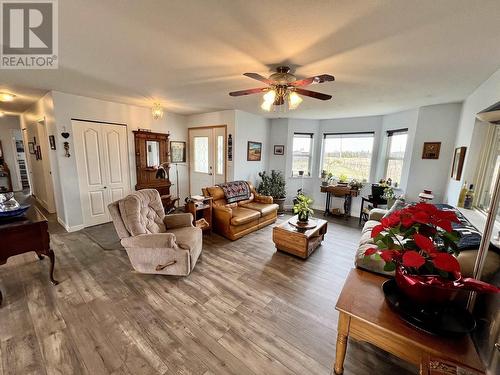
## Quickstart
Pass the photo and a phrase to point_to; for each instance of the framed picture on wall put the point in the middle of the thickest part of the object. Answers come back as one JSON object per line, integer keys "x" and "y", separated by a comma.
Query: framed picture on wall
{"x": 52, "y": 142}
{"x": 458, "y": 163}
{"x": 177, "y": 152}
{"x": 431, "y": 150}
{"x": 254, "y": 151}
{"x": 279, "y": 149}
{"x": 31, "y": 148}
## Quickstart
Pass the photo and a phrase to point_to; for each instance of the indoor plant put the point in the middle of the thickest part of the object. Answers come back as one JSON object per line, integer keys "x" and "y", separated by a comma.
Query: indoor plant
{"x": 355, "y": 184}
{"x": 275, "y": 186}
{"x": 302, "y": 207}
{"x": 389, "y": 196}
{"x": 417, "y": 243}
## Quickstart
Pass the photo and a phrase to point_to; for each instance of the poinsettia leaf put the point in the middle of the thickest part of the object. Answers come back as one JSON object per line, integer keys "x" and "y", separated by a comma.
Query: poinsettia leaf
{"x": 424, "y": 243}
{"x": 446, "y": 262}
{"x": 413, "y": 259}
{"x": 376, "y": 256}
{"x": 370, "y": 251}
{"x": 389, "y": 267}
{"x": 381, "y": 244}
{"x": 376, "y": 230}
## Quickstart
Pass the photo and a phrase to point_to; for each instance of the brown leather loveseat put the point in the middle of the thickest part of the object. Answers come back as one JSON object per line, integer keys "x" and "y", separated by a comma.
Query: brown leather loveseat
{"x": 235, "y": 220}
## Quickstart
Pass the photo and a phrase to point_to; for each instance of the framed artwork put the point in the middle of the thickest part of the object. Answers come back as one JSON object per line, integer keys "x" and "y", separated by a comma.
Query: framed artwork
{"x": 177, "y": 152}
{"x": 52, "y": 141}
{"x": 254, "y": 151}
{"x": 279, "y": 149}
{"x": 431, "y": 150}
{"x": 31, "y": 148}
{"x": 38, "y": 153}
{"x": 458, "y": 163}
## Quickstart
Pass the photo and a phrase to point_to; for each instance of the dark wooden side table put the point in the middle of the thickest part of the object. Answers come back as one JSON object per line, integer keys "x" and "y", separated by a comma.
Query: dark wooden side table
{"x": 201, "y": 210}
{"x": 339, "y": 191}
{"x": 365, "y": 316}
{"x": 25, "y": 234}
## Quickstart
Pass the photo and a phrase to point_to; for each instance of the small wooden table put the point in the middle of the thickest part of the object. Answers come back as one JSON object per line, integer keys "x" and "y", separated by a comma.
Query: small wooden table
{"x": 299, "y": 242}
{"x": 365, "y": 316}
{"x": 340, "y": 191}
{"x": 201, "y": 210}
{"x": 25, "y": 234}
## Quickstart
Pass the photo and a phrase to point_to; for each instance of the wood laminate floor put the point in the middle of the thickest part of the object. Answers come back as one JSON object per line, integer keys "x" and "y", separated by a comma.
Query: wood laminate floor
{"x": 246, "y": 309}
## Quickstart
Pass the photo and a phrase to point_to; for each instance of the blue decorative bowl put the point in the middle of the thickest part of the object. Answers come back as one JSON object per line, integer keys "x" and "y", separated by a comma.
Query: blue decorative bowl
{"x": 15, "y": 212}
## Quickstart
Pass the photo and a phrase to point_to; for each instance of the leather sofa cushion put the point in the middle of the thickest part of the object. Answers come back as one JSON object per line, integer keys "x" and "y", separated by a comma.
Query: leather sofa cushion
{"x": 243, "y": 215}
{"x": 216, "y": 192}
{"x": 263, "y": 208}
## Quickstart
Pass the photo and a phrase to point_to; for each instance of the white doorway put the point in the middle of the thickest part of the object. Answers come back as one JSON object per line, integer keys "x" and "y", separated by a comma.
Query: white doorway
{"x": 101, "y": 154}
{"x": 207, "y": 157}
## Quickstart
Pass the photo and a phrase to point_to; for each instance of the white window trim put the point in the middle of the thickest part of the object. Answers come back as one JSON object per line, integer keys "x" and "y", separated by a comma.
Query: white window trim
{"x": 389, "y": 135}
{"x": 311, "y": 152}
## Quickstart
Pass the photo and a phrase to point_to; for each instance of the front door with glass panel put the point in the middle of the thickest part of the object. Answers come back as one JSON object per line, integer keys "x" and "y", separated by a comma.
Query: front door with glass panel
{"x": 207, "y": 157}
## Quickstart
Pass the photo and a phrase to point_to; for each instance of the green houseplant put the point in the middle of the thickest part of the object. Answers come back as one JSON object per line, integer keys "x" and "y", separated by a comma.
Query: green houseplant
{"x": 302, "y": 207}
{"x": 274, "y": 185}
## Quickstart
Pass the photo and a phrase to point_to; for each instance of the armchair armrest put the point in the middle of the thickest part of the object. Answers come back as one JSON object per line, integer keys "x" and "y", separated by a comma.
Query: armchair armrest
{"x": 377, "y": 214}
{"x": 178, "y": 220}
{"x": 150, "y": 241}
{"x": 263, "y": 198}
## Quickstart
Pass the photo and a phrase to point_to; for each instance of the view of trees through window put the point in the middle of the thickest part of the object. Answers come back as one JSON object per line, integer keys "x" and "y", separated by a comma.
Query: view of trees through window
{"x": 301, "y": 159}
{"x": 348, "y": 154}
{"x": 395, "y": 155}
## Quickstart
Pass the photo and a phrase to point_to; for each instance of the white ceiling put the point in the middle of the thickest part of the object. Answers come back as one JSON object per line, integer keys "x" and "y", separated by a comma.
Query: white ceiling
{"x": 386, "y": 55}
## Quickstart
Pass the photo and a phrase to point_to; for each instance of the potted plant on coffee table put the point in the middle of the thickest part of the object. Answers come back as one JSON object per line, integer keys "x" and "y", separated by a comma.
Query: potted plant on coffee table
{"x": 302, "y": 208}
{"x": 419, "y": 244}
{"x": 273, "y": 185}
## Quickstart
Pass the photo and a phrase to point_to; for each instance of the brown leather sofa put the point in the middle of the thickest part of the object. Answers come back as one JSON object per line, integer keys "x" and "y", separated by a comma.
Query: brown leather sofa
{"x": 235, "y": 220}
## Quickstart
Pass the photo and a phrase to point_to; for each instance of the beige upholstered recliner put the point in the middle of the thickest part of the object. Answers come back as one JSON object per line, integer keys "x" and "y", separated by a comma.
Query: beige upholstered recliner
{"x": 155, "y": 242}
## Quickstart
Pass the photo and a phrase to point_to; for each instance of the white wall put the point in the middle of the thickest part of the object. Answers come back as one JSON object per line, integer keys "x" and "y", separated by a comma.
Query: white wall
{"x": 486, "y": 94}
{"x": 64, "y": 172}
{"x": 7, "y": 125}
{"x": 436, "y": 123}
{"x": 250, "y": 127}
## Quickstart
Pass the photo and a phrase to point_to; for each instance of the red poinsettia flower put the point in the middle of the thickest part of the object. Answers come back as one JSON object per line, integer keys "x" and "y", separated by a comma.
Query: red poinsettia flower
{"x": 424, "y": 243}
{"x": 445, "y": 262}
{"x": 376, "y": 230}
{"x": 389, "y": 255}
{"x": 413, "y": 259}
{"x": 370, "y": 251}
{"x": 391, "y": 221}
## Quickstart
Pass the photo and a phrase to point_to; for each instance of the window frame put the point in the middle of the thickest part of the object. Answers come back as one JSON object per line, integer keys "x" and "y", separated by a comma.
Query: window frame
{"x": 389, "y": 135}
{"x": 307, "y": 173}
{"x": 370, "y": 134}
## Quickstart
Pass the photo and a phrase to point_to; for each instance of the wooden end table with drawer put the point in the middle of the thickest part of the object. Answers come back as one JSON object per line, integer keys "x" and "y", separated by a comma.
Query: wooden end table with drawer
{"x": 365, "y": 316}
{"x": 299, "y": 241}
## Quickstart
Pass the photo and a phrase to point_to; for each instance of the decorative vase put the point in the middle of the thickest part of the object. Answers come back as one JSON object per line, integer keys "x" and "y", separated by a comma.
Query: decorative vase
{"x": 424, "y": 289}
{"x": 281, "y": 204}
{"x": 303, "y": 217}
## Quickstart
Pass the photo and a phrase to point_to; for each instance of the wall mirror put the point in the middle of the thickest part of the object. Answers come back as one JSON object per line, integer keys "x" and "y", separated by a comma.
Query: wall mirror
{"x": 152, "y": 153}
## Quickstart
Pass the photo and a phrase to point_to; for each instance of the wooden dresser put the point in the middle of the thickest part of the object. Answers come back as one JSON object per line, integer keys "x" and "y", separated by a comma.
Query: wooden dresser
{"x": 152, "y": 151}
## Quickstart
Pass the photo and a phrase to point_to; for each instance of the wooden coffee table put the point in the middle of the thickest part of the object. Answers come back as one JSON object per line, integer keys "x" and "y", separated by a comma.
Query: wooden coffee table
{"x": 365, "y": 316}
{"x": 298, "y": 241}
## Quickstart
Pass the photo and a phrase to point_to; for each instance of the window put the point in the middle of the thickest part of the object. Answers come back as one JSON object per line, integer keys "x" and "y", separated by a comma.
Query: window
{"x": 488, "y": 170}
{"x": 396, "y": 147}
{"x": 220, "y": 155}
{"x": 200, "y": 154}
{"x": 302, "y": 153}
{"x": 348, "y": 154}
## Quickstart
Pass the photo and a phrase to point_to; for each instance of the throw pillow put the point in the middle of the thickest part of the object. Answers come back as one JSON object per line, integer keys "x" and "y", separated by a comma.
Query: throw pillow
{"x": 399, "y": 204}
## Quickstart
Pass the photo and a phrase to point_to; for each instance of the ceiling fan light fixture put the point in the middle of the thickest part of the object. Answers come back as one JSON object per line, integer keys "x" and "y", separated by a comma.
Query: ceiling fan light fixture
{"x": 6, "y": 97}
{"x": 157, "y": 111}
{"x": 270, "y": 96}
{"x": 266, "y": 105}
{"x": 294, "y": 100}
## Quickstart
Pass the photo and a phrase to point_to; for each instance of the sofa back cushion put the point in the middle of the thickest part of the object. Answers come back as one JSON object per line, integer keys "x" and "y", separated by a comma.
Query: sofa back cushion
{"x": 142, "y": 212}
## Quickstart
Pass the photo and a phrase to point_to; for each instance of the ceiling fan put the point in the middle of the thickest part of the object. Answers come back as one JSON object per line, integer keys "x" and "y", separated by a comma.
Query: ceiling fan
{"x": 283, "y": 85}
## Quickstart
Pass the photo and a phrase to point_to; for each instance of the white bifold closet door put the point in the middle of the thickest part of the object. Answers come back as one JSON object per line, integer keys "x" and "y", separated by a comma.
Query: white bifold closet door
{"x": 103, "y": 169}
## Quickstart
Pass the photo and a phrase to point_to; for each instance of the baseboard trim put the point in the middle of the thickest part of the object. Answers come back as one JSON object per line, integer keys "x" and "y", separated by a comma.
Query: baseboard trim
{"x": 68, "y": 228}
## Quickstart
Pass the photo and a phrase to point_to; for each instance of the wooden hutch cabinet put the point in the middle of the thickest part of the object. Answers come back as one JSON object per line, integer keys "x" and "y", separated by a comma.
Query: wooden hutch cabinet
{"x": 151, "y": 151}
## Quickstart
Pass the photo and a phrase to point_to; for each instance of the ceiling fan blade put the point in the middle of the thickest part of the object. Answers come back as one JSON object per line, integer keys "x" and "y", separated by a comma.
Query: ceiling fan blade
{"x": 313, "y": 80}
{"x": 249, "y": 91}
{"x": 313, "y": 94}
{"x": 258, "y": 77}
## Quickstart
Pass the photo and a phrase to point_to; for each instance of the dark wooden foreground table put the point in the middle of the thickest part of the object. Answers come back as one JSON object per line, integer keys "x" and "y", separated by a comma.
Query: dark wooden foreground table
{"x": 25, "y": 234}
